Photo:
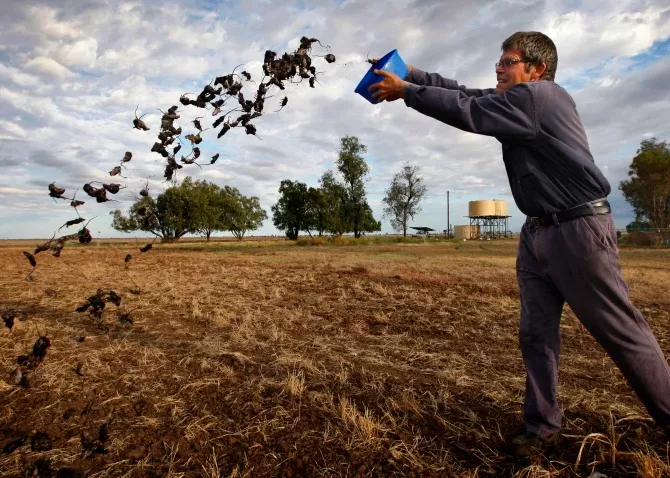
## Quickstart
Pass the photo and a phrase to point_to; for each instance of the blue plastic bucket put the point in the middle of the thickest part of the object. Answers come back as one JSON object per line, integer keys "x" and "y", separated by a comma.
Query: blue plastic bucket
{"x": 390, "y": 62}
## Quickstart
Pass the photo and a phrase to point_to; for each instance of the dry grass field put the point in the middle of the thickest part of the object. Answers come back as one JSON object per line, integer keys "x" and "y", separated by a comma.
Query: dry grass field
{"x": 265, "y": 359}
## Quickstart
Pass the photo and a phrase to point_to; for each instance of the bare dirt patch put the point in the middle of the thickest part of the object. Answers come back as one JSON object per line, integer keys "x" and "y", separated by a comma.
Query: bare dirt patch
{"x": 271, "y": 360}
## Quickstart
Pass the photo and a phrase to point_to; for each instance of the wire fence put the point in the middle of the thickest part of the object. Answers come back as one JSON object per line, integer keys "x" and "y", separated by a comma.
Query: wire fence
{"x": 659, "y": 230}
{"x": 644, "y": 237}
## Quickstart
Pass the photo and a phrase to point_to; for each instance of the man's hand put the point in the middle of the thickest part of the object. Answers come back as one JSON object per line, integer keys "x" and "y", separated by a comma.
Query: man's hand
{"x": 409, "y": 67}
{"x": 390, "y": 88}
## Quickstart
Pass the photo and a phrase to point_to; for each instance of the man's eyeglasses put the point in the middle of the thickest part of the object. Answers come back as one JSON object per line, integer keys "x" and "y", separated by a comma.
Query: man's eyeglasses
{"x": 507, "y": 62}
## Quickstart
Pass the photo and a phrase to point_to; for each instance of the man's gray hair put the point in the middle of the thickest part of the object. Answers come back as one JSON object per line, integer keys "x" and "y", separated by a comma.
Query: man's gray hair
{"x": 535, "y": 47}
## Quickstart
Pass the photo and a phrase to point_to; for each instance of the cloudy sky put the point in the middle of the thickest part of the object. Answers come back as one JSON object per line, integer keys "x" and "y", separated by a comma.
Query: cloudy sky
{"x": 73, "y": 71}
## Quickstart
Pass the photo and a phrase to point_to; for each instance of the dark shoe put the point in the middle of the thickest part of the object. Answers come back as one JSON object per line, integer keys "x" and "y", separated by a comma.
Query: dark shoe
{"x": 530, "y": 444}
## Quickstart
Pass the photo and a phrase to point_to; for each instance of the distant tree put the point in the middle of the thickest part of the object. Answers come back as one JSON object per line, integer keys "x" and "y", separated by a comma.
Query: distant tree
{"x": 208, "y": 206}
{"x": 241, "y": 213}
{"x": 648, "y": 186}
{"x": 403, "y": 197}
{"x": 317, "y": 211}
{"x": 290, "y": 213}
{"x": 336, "y": 206}
{"x": 354, "y": 170}
{"x": 135, "y": 221}
{"x": 368, "y": 223}
{"x": 192, "y": 207}
{"x": 334, "y": 194}
{"x": 170, "y": 216}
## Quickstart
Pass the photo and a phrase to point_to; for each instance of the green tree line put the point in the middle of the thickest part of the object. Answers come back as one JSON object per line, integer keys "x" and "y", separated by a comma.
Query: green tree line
{"x": 647, "y": 188}
{"x": 339, "y": 204}
{"x": 193, "y": 207}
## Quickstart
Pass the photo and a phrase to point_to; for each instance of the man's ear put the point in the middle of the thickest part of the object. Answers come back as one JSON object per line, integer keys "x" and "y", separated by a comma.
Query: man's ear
{"x": 538, "y": 70}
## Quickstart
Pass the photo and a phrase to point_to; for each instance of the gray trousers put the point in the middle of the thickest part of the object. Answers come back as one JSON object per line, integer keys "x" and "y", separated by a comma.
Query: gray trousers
{"x": 578, "y": 262}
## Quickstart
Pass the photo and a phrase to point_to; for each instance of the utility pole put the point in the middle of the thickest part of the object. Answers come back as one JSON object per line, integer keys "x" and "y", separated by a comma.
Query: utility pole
{"x": 448, "y": 224}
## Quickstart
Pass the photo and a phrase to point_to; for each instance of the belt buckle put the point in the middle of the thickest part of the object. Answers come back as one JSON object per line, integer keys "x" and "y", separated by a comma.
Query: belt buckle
{"x": 536, "y": 221}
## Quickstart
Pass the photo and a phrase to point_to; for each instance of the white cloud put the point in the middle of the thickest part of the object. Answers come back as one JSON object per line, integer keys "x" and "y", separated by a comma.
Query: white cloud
{"x": 586, "y": 38}
{"x": 48, "y": 67}
{"x": 18, "y": 77}
{"x": 44, "y": 20}
{"x": 12, "y": 129}
{"x": 9, "y": 191}
{"x": 79, "y": 54}
{"x": 606, "y": 81}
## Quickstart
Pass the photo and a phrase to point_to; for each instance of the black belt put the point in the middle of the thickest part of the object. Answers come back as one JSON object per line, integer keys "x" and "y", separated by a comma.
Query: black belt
{"x": 599, "y": 207}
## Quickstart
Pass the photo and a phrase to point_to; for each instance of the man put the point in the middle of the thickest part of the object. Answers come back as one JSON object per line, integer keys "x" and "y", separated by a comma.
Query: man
{"x": 568, "y": 249}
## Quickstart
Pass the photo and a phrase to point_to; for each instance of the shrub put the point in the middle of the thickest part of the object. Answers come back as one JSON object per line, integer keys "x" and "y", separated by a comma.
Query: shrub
{"x": 337, "y": 241}
{"x": 310, "y": 241}
{"x": 643, "y": 239}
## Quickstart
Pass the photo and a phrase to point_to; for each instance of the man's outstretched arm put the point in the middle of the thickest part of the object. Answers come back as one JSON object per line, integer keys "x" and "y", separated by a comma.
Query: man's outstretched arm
{"x": 421, "y": 78}
{"x": 507, "y": 115}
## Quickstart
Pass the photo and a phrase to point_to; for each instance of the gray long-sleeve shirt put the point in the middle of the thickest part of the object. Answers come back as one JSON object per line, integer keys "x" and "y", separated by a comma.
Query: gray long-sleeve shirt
{"x": 545, "y": 149}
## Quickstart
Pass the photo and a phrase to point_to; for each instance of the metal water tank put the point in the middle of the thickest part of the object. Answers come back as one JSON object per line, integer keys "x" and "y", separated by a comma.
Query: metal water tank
{"x": 501, "y": 208}
{"x": 482, "y": 208}
{"x": 465, "y": 231}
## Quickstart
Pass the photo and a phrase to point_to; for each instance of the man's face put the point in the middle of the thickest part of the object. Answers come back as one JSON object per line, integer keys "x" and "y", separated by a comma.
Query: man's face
{"x": 515, "y": 73}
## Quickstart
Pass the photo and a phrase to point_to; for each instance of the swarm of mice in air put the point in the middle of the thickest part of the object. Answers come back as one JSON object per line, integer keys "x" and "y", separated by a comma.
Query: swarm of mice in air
{"x": 230, "y": 109}
{"x": 229, "y": 106}
{"x": 224, "y": 94}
